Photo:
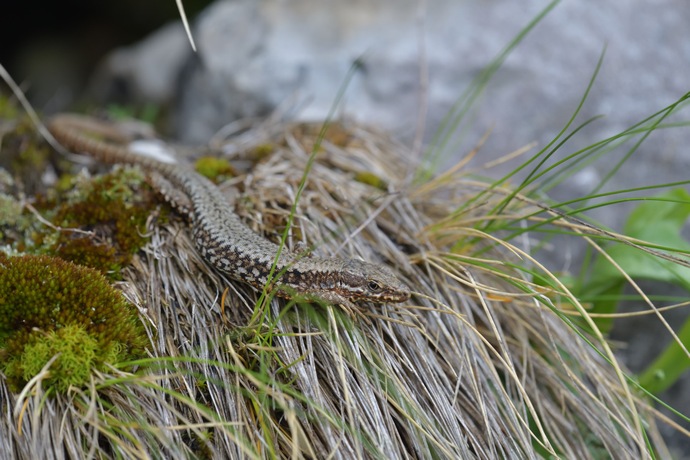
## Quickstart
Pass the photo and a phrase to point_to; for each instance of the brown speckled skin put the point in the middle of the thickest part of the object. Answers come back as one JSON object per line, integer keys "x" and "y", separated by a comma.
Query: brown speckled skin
{"x": 226, "y": 243}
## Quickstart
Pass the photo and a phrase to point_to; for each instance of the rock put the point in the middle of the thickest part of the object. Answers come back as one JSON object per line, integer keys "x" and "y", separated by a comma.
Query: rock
{"x": 146, "y": 72}
{"x": 255, "y": 57}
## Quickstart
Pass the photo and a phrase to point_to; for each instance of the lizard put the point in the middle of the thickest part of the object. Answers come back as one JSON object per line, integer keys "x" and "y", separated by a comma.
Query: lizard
{"x": 226, "y": 243}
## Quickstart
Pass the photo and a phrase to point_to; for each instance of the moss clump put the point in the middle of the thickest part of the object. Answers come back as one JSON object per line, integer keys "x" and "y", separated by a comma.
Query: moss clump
{"x": 111, "y": 209}
{"x": 214, "y": 168}
{"x": 87, "y": 251}
{"x": 77, "y": 357}
{"x": 50, "y": 306}
{"x": 114, "y": 207}
{"x": 372, "y": 179}
{"x": 262, "y": 151}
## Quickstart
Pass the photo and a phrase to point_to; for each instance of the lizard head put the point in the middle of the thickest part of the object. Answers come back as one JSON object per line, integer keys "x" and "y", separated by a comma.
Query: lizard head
{"x": 370, "y": 282}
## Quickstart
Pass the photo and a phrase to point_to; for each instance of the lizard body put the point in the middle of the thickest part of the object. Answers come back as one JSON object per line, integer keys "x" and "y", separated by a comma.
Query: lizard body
{"x": 225, "y": 242}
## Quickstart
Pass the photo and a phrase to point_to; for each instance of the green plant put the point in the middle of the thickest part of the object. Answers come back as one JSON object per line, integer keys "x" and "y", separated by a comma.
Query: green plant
{"x": 652, "y": 253}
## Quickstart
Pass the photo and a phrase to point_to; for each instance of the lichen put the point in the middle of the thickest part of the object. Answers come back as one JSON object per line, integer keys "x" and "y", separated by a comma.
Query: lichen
{"x": 6, "y": 180}
{"x": 49, "y": 306}
{"x": 13, "y": 222}
{"x": 10, "y": 210}
{"x": 25, "y": 154}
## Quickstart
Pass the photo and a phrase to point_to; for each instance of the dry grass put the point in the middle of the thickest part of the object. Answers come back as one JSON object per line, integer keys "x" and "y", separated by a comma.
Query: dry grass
{"x": 476, "y": 365}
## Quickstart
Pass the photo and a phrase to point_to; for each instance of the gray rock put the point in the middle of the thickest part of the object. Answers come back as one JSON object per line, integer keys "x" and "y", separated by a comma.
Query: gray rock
{"x": 145, "y": 72}
{"x": 256, "y": 56}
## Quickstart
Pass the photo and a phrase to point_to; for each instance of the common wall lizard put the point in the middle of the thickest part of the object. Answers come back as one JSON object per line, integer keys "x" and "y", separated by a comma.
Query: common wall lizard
{"x": 227, "y": 243}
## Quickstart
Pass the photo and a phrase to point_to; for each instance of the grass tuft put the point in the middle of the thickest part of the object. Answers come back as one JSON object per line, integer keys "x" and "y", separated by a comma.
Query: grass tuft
{"x": 482, "y": 362}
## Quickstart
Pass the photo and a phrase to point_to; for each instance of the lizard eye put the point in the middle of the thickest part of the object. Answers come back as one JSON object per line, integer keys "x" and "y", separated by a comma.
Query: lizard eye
{"x": 373, "y": 286}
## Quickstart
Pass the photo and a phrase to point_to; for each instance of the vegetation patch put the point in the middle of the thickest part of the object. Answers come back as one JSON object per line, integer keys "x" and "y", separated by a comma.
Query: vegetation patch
{"x": 111, "y": 210}
{"x": 53, "y": 308}
{"x": 214, "y": 168}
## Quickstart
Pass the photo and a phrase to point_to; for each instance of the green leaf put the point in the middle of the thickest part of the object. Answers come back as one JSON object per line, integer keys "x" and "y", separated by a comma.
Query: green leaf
{"x": 669, "y": 365}
{"x": 658, "y": 221}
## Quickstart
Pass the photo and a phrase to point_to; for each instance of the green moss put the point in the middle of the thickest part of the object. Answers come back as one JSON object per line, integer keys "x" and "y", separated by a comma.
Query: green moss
{"x": 214, "y": 168}
{"x": 372, "y": 179}
{"x": 85, "y": 251}
{"x": 262, "y": 151}
{"x": 77, "y": 357}
{"x": 114, "y": 207}
{"x": 50, "y": 306}
{"x": 110, "y": 210}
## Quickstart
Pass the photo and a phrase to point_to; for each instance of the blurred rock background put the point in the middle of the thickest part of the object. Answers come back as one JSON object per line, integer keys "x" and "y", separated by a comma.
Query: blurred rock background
{"x": 415, "y": 59}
